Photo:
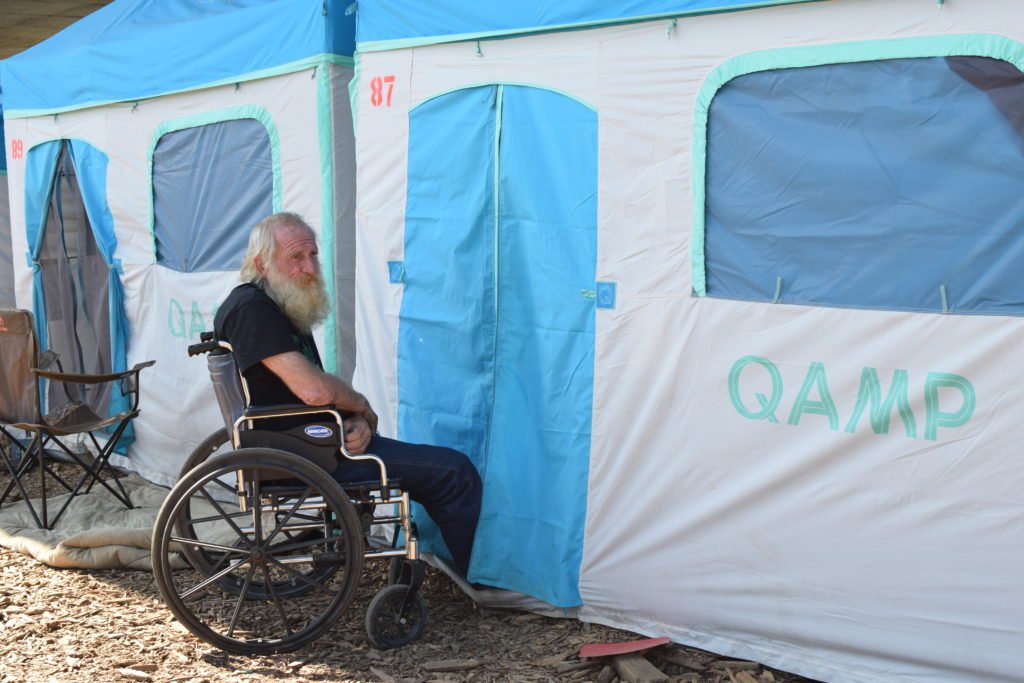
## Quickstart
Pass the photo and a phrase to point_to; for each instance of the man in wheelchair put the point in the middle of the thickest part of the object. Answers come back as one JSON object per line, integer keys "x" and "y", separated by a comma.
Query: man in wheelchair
{"x": 268, "y": 321}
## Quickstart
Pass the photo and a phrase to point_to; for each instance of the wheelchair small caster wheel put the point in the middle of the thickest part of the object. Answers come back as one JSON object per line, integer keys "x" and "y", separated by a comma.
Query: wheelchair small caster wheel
{"x": 388, "y": 625}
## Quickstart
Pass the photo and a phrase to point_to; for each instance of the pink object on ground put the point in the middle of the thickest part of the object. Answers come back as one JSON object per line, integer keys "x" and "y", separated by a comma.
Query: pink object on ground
{"x": 609, "y": 649}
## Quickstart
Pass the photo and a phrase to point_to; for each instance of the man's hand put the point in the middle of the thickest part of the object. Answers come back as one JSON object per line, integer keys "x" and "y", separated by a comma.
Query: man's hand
{"x": 357, "y": 434}
{"x": 371, "y": 418}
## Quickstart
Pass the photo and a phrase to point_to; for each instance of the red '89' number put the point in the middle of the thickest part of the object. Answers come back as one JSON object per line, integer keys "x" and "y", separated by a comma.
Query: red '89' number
{"x": 377, "y": 94}
{"x": 17, "y": 148}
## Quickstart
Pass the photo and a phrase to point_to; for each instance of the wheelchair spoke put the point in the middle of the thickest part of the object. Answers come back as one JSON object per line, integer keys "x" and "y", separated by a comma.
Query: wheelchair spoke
{"x": 277, "y": 601}
{"x": 238, "y": 602}
{"x": 214, "y": 518}
{"x": 302, "y": 577}
{"x": 227, "y": 487}
{"x": 213, "y": 578}
{"x": 291, "y": 513}
{"x": 224, "y": 515}
{"x": 208, "y": 545}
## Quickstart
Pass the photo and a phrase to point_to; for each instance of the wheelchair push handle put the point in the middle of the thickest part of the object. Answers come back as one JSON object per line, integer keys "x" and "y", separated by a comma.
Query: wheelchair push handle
{"x": 207, "y": 342}
{"x": 202, "y": 347}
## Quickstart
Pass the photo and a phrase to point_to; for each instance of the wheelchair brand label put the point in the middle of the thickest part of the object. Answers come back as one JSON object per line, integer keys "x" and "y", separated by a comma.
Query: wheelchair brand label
{"x": 319, "y": 431}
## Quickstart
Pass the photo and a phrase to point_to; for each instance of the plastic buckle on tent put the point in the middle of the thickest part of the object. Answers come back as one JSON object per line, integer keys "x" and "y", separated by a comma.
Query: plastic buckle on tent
{"x": 605, "y": 295}
{"x": 396, "y": 272}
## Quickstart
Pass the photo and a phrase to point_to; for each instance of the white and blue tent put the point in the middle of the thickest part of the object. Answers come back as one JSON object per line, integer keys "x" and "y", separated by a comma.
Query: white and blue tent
{"x": 723, "y": 298}
{"x": 144, "y": 141}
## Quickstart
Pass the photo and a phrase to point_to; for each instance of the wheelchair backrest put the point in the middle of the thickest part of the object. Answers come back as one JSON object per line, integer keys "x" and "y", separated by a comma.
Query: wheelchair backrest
{"x": 227, "y": 386}
{"x": 19, "y": 353}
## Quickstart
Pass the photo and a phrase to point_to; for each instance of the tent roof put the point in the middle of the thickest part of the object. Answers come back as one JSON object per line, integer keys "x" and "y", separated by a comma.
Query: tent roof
{"x": 136, "y": 49}
{"x": 390, "y": 24}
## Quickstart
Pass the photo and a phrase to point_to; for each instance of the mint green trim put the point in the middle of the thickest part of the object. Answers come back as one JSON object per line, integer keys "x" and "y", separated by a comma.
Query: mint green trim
{"x": 325, "y": 140}
{"x": 502, "y": 84}
{"x": 400, "y": 43}
{"x": 968, "y": 44}
{"x": 248, "y": 111}
{"x": 290, "y": 67}
{"x": 353, "y": 96}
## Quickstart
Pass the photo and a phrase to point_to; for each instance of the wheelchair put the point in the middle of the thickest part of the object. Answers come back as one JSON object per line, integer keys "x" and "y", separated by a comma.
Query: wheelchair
{"x": 273, "y": 546}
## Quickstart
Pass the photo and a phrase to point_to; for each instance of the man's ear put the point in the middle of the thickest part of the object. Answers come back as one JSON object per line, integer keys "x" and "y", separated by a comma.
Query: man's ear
{"x": 260, "y": 268}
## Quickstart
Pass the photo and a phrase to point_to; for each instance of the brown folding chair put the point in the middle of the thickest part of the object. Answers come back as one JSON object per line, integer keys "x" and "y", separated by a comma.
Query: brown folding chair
{"x": 22, "y": 375}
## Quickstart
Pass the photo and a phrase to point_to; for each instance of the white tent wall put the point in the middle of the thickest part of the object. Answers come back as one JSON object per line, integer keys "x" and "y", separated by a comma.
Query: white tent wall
{"x": 166, "y": 308}
{"x": 840, "y": 556}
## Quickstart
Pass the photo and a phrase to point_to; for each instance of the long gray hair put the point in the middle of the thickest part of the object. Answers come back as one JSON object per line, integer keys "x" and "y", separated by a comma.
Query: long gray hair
{"x": 262, "y": 245}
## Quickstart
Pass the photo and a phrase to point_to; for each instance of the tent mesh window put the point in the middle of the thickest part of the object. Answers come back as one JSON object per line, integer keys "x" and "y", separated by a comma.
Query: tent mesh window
{"x": 892, "y": 184}
{"x": 75, "y": 289}
{"x": 211, "y": 184}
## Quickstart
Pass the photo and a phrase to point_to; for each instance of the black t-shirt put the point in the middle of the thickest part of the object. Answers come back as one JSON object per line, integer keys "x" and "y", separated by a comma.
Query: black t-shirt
{"x": 257, "y": 328}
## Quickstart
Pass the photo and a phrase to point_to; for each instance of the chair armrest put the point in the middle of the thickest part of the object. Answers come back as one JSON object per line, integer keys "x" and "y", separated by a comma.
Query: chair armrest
{"x": 91, "y": 379}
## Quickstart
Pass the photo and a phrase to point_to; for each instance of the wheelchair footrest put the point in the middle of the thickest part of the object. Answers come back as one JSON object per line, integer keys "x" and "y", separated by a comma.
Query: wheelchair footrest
{"x": 329, "y": 560}
{"x": 351, "y": 487}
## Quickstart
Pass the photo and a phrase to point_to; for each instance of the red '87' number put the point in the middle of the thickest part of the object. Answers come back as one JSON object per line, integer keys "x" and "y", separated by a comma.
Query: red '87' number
{"x": 17, "y": 148}
{"x": 377, "y": 96}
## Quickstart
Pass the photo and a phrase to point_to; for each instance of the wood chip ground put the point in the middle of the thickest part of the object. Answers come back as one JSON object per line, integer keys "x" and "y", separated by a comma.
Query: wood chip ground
{"x": 84, "y": 625}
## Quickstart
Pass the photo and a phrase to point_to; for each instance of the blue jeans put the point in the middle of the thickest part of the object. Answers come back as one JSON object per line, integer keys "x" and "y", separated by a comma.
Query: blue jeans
{"x": 442, "y": 480}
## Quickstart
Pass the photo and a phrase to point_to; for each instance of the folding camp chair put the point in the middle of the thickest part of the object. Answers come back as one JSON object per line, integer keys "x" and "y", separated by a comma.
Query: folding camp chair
{"x": 22, "y": 376}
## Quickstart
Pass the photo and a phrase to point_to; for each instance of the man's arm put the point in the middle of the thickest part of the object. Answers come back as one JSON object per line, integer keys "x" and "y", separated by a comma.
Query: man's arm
{"x": 317, "y": 388}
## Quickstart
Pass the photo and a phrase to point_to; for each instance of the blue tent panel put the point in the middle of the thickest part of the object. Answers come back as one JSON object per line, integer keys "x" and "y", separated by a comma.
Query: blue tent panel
{"x": 383, "y": 20}
{"x": 496, "y": 337}
{"x": 134, "y": 49}
{"x": 845, "y": 185}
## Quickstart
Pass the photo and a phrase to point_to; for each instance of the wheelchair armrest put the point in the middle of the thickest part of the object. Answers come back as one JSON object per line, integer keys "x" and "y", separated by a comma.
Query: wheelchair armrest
{"x": 286, "y": 410}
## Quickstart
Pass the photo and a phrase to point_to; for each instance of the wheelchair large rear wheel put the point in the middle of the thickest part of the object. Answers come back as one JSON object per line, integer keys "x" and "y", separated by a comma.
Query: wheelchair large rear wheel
{"x": 271, "y": 572}
{"x": 223, "y": 488}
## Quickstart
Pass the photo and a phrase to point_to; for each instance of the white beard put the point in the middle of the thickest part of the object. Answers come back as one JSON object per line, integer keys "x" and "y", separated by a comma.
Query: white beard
{"x": 303, "y": 299}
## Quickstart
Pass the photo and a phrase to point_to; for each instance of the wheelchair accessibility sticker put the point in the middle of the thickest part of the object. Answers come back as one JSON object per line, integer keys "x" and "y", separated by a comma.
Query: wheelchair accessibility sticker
{"x": 319, "y": 431}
